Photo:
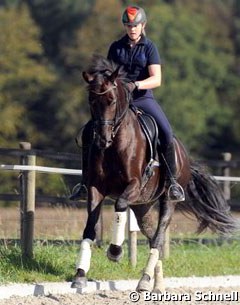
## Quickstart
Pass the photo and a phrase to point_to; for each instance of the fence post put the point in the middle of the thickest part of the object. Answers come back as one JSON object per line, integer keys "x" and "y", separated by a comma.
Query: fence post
{"x": 132, "y": 238}
{"x": 166, "y": 249}
{"x": 27, "y": 206}
{"x": 226, "y": 173}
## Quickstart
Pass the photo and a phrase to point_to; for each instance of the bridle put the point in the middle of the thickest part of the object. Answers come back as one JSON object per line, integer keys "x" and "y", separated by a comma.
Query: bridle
{"x": 114, "y": 86}
{"x": 116, "y": 121}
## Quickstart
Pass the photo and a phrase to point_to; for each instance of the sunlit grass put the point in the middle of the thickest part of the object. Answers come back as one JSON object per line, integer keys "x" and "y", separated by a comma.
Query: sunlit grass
{"x": 57, "y": 263}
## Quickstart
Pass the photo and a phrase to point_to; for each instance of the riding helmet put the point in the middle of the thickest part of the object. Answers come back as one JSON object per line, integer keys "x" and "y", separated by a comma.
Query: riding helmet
{"x": 134, "y": 15}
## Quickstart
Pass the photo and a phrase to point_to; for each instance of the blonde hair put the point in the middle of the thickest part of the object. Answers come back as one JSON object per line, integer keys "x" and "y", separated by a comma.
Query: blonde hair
{"x": 143, "y": 29}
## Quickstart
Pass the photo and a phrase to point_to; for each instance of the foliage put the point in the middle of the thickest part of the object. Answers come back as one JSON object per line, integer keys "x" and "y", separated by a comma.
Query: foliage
{"x": 25, "y": 75}
{"x": 95, "y": 34}
{"x": 194, "y": 69}
{"x": 58, "y": 19}
{"x": 233, "y": 84}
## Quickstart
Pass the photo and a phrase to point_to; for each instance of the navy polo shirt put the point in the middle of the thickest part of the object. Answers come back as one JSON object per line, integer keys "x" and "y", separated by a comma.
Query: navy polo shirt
{"x": 135, "y": 60}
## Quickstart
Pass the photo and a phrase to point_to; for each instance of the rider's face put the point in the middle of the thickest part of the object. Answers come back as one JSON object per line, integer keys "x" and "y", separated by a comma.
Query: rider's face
{"x": 134, "y": 32}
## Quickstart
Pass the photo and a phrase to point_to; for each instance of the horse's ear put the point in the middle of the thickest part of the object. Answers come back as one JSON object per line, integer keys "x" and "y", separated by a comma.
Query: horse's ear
{"x": 87, "y": 77}
{"x": 114, "y": 75}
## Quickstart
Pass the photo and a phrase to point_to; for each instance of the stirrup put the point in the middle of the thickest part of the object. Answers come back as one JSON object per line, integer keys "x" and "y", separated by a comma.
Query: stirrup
{"x": 175, "y": 192}
{"x": 79, "y": 191}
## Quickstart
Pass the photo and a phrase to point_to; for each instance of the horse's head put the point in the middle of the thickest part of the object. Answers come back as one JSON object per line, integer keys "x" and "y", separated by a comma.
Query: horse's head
{"x": 108, "y": 100}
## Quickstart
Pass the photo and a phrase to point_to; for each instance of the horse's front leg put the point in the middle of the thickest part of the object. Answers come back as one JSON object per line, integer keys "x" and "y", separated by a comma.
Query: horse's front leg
{"x": 130, "y": 194}
{"x": 115, "y": 251}
{"x": 95, "y": 199}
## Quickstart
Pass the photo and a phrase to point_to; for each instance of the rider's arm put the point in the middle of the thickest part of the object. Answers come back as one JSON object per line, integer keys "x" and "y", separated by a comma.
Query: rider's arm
{"x": 154, "y": 79}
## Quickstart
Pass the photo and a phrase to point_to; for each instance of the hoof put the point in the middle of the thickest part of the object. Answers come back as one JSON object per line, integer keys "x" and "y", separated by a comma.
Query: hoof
{"x": 144, "y": 284}
{"x": 114, "y": 253}
{"x": 79, "y": 282}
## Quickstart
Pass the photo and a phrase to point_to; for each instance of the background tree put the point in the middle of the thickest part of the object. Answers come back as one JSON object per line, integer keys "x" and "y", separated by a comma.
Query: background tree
{"x": 58, "y": 20}
{"x": 25, "y": 76}
{"x": 234, "y": 76}
{"x": 195, "y": 69}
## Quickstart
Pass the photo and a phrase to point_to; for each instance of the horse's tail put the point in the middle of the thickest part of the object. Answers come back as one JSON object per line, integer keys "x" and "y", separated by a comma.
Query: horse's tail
{"x": 205, "y": 200}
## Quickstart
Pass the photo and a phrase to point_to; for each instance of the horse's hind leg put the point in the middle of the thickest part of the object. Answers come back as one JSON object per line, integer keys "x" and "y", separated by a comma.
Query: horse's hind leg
{"x": 154, "y": 264}
{"x": 147, "y": 224}
{"x": 166, "y": 211}
{"x": 159, "y": 285}
{"x": 145, "y": 218}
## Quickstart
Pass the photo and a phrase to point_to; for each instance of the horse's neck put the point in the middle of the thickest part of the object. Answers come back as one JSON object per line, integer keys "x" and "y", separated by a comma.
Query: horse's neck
{"x": 127, "y": 130}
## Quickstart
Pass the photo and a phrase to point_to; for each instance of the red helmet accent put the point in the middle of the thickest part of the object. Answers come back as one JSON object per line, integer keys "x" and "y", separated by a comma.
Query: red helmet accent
{"x": 133, "y": 15}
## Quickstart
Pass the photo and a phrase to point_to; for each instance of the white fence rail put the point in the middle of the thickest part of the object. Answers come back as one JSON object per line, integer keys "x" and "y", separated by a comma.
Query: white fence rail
{"x": 229, "y": 179}
{"x": 42, "y": 169}
{"x": 69, "y": 171}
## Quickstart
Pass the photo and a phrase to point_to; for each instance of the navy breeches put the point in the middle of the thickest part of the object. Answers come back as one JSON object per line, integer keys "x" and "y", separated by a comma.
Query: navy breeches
{"x": 151, "y": 107}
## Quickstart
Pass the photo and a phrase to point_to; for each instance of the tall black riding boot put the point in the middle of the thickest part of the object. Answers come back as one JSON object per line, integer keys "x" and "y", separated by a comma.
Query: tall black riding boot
{"x": 79, "y": 191}
{"x": 85, "y": 137}
{"x": 174, "y": 190}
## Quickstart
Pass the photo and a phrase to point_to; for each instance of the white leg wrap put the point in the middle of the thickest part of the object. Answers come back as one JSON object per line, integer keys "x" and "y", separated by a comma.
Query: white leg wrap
{"x": 84, "y": 258}
{"x": 152, "y": 261}
{"x": 158, "y": 277}
{"x": 120, "y": 219}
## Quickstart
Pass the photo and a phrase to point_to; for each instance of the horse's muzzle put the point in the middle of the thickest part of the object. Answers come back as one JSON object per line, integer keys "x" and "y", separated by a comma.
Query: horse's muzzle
{"x": 103, "y": 143}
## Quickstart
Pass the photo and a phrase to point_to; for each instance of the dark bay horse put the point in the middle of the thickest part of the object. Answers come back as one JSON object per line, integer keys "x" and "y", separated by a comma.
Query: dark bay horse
{"x": 117, "y": 161}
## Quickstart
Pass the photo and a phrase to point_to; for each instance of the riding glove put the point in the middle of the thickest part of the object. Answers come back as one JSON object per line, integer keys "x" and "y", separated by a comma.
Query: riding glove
{"x": 131, "y": 86}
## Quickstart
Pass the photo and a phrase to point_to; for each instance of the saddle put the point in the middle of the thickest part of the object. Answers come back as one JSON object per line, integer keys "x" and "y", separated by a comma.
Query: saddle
{"x": 150, "y": 129}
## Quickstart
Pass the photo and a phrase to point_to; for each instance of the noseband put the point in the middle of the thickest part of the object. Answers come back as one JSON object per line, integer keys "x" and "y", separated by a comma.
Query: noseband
{"x": 116, "y": 122}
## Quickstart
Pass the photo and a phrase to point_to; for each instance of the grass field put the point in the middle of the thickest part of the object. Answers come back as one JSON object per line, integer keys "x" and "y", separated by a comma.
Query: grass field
{"x": 56, "y": 263}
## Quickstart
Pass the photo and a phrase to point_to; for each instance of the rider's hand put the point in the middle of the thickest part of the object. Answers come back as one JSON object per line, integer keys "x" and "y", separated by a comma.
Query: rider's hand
{"x": 131, "y": 86}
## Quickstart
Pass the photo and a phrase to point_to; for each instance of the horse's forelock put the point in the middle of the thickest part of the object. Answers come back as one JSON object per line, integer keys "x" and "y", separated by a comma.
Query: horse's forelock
{"x": 102, "y": 68}
{"x": 101, "y": 65}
